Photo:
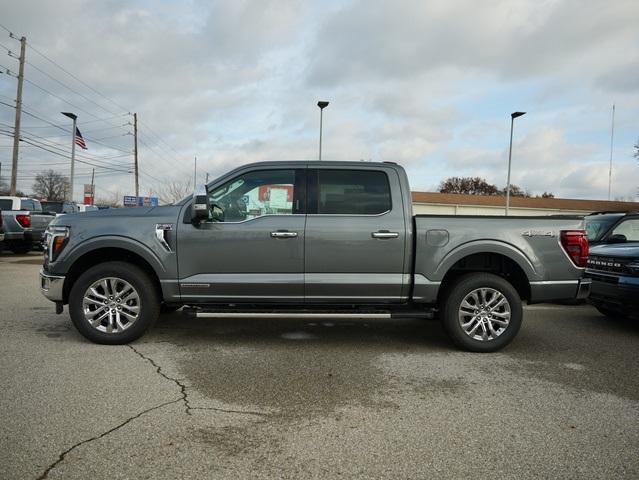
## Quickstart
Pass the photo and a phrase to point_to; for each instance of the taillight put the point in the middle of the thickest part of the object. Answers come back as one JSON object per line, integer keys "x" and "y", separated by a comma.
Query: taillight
{"x": 575, "y": 243}
{"x": 24, "y": 220}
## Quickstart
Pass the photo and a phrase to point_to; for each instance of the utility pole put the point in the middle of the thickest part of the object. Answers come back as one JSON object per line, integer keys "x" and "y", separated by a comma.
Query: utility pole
{"x": 612, "y": 136}
{"x": 195, "y": 174}
{"x": 207, "y": 175}
{"x": 16, "y": 127}
{"x": 93, "y": 186}
{"x": 135, "y": 154}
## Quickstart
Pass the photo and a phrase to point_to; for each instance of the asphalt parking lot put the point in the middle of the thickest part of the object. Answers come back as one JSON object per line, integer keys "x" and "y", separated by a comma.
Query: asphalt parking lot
{"x": 199, "y": 398}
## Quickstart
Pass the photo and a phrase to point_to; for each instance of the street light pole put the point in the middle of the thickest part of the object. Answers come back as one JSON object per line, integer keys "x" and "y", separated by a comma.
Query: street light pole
{"x": 510, "y": 156}
{"x": 322, "y": 105}
{"x": 73, "y": 117}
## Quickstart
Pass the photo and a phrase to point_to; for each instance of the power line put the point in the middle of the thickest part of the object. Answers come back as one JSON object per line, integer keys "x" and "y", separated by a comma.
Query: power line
{"x": 66, "y": 129}
{"x": 161, "y": 139}
{"x": 76, "y": 78}
{"x": 71, "y": 89}
{"x": 59, "y": 98}
{"x": 54, "y": 152}
{"x": 63, "y": 147}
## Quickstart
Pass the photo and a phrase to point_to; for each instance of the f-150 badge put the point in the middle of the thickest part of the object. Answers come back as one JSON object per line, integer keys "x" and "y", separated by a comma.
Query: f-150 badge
{"x": 538, "y": 233}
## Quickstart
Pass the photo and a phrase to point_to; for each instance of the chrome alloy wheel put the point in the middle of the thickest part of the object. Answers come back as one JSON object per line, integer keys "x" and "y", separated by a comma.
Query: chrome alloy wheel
{"x": 111, "y": 305}
{"x": 484, "y": 314}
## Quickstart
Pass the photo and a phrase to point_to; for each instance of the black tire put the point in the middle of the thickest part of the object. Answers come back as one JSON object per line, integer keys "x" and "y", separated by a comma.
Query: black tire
{"x": 452, "y": 302}
{"x": 21, "y": 249}
{"x": 149, "y": 302}
{"x": 608, "y": 312}
{"x": 169, "y": 308}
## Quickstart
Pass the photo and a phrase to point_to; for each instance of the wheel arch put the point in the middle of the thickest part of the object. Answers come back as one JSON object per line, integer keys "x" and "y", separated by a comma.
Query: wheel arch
{"x": 493, "y": 262}
{"x": 104, "y": 254}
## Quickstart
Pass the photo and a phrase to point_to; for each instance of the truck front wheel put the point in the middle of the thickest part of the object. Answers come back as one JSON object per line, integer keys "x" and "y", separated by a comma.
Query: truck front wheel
{"x": 113, "y": 303}
{"x": 481, "y": 312}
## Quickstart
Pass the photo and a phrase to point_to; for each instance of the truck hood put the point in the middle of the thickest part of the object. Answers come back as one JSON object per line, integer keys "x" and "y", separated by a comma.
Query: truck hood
{"x": 617, "y": 250}
{"x": 117, "y": 215}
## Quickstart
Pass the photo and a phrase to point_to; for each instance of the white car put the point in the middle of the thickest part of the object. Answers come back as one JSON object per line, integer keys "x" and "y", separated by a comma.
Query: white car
{"x": 87, "y": 208}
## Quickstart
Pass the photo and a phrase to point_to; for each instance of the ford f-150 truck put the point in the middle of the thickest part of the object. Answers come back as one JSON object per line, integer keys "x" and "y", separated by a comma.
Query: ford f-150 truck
{"x": 24, "y": 223}
{"x": 309, "y": 238}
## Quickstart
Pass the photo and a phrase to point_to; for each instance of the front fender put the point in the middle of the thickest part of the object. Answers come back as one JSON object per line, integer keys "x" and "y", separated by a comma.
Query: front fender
{"x": 112, "y": 241}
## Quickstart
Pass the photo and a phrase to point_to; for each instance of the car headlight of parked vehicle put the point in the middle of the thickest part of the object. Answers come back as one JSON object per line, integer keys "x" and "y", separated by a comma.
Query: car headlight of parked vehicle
{"x": 56, "y": 238}
{"x": 633, "y": 267}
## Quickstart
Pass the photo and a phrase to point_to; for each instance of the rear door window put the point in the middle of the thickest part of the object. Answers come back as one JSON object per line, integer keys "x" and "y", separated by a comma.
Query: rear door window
{"x": 6, "y": 204}
{"x": 629, "y": 229}
{"x": 27, "y": 204}
{"x": 352, "y": 192}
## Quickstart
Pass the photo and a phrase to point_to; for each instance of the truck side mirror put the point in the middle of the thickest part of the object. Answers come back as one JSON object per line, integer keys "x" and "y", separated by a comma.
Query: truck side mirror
{"x": 200, "y": 206}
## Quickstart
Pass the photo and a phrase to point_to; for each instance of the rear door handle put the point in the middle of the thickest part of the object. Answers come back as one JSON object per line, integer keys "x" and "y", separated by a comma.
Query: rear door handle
{"x": 283, "y": 234}
{"x": 385, "y": 234}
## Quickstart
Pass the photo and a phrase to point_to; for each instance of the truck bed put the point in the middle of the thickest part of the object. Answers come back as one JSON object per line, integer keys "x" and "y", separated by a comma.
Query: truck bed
{"x": 528, "y": 245}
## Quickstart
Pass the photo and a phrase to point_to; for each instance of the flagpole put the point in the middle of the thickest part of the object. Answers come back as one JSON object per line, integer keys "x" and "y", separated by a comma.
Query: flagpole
{"x": 73, "y": 117}
{"x": 612, "y": 136}
{"x": 75, "y": 120}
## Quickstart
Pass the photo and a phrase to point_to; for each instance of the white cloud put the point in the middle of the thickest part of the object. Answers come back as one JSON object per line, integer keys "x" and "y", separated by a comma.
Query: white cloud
{"x": 427, "y": 84}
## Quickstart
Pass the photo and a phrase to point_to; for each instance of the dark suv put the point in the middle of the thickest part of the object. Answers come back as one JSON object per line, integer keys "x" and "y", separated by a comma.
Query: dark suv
{"x": 612, "y": 227}
{"x": 614, "y": 270}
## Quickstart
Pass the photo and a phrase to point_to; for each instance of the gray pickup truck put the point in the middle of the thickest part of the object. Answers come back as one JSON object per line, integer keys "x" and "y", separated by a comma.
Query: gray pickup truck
{"x": 302, "y": 239}
{"x": 24, "y": 223}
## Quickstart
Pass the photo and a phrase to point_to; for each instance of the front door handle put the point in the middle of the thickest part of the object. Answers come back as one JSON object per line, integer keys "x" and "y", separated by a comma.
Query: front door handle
{"x": 385, "y": 234}
{"x": 283, "y": 234}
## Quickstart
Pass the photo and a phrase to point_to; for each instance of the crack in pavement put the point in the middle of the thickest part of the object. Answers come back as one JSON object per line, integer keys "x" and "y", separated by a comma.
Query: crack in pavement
{"x": 97, "y": 437}
{"x": 158, "y": 369}
{"x": 183, "y": 398}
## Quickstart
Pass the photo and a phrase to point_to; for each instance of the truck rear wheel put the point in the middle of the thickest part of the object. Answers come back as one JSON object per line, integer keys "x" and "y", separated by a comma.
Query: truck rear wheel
{"x": 113, "y": 303}
{"x": 481, "y": 312}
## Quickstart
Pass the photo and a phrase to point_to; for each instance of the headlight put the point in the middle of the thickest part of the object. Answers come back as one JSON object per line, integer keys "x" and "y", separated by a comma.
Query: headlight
{"x": 56, "y": 239}
{"x": 633, "y": 267}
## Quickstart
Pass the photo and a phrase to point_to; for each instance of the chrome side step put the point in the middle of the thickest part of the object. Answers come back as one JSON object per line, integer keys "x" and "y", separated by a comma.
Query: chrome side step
{"x": 351, "y": 316}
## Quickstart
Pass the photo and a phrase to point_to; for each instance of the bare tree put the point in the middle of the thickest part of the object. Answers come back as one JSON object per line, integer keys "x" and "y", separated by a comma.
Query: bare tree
{"x": 51, "y": 185}
{"x": 516, "y": 191}
{"x": 110, "y": 199}
{"x": 173, "y": 191}
{"x": 468, "y": 185}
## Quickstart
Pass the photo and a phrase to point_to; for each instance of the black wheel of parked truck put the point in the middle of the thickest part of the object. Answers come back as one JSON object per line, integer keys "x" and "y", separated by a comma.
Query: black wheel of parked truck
{"x": 609, "y": 312}
{"x": 481, "y": 312}
{"x": 113, "y": 303}
{"x": 20, "y": 249}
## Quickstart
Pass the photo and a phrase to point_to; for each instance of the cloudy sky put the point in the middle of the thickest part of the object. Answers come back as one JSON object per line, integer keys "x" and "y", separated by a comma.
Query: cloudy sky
{"x": 428, "y": 84}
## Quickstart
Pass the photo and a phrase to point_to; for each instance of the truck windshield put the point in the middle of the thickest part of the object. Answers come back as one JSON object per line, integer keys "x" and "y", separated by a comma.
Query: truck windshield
{"x": 597, "y": 226}
{"x": 52, "y": 206}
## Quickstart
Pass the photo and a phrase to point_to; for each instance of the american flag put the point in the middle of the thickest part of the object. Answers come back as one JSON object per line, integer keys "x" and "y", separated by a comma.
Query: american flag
{"x": 79, "y": 141}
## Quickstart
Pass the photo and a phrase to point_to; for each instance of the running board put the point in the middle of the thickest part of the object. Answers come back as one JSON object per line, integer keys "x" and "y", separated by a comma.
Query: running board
{"x": 291, "y": 314}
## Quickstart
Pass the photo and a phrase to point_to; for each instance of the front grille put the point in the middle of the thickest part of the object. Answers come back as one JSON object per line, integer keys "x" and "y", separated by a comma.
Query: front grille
{"x": 611, "y": 265}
